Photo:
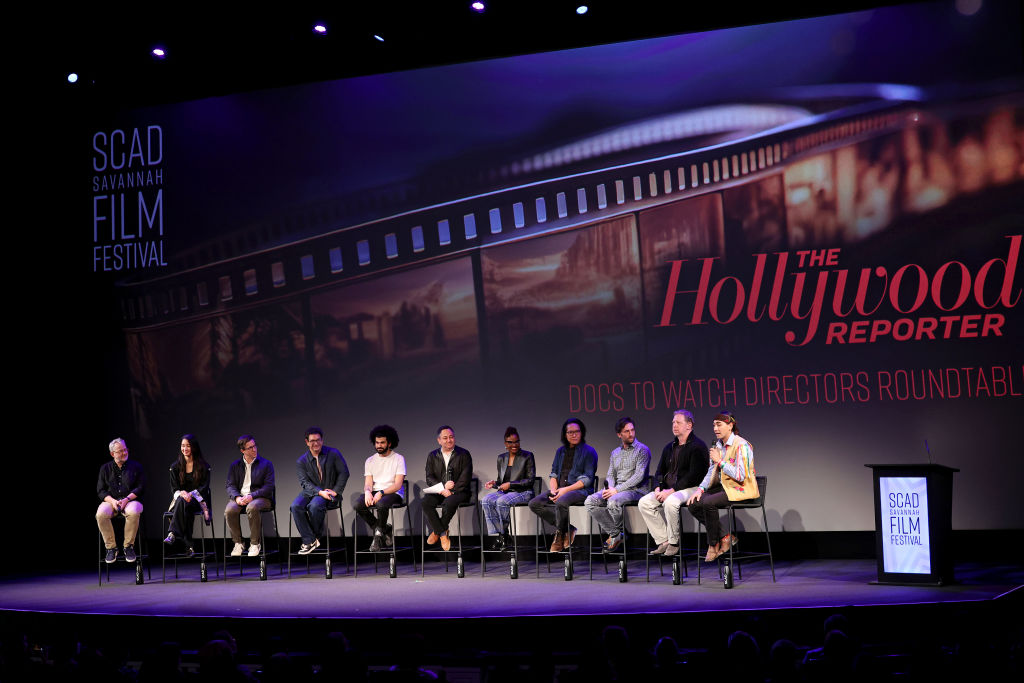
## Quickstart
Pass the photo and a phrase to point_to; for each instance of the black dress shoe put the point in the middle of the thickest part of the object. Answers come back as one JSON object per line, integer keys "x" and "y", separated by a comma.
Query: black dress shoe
{"x": 498, "y": 544}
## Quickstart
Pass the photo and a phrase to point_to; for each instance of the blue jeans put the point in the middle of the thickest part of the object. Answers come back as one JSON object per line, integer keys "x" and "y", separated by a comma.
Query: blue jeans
{"x": 608, "y": 512}
{"x": 498, "y": 508}
{"x": 309, "y": 513}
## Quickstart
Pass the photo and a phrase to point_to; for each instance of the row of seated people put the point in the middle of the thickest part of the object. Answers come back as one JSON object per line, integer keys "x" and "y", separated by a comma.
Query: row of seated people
{"x": 689, "y": 473}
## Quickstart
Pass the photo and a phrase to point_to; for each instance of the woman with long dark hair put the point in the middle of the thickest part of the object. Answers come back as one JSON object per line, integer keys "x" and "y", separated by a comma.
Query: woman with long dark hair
{"x": 190, "y": 491}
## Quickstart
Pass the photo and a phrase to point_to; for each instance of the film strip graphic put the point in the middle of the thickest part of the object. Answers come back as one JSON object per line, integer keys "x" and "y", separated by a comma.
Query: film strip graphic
{"x": 529, "y": 210}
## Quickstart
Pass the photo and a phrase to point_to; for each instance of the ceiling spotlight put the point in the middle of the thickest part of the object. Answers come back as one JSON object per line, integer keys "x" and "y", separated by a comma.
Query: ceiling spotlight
{"x": 477, "y": 6}
{"x": 320, "y": 28}
{"x": 582, "y": 9}
{"x": 72, "y": 78}
{"x": 378, "y": 37}
{"x": 159, "y": 52}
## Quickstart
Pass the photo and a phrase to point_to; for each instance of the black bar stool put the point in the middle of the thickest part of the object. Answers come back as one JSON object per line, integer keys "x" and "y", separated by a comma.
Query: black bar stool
{"x": 538, "y": 483}
{"x": 325, "y": 551}
{"x": 474, "y": 501}
{"x": 264, "y": 552}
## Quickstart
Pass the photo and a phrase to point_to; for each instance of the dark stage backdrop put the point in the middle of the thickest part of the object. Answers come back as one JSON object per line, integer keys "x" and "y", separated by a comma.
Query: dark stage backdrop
{"x": 816, "y": 224}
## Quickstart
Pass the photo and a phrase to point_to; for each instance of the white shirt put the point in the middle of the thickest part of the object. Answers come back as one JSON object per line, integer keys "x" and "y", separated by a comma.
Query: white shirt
{"x": 385, "y": 470}
{"x": 247, "y": 482}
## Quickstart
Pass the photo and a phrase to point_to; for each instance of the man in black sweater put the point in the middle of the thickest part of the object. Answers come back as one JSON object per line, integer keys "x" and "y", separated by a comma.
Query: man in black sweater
{"x": 684, "y": 460}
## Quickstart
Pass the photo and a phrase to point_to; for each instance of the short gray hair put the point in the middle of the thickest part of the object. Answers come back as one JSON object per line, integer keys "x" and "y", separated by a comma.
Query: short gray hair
{"x": 118, "y": 440}
{"x": 687, "y": 415}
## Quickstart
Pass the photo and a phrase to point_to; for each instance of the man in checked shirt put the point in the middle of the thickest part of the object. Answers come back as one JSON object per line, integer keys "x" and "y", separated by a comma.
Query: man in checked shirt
{"x": 627, "y": 482}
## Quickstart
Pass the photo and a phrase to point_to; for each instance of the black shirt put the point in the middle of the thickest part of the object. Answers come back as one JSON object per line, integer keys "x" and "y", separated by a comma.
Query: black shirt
{"x": 118, "y": 482}
{"x": 563, "y": 476}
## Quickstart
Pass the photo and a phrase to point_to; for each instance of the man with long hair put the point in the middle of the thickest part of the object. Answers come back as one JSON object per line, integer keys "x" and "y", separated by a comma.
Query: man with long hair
{"x": 570, "y": 482}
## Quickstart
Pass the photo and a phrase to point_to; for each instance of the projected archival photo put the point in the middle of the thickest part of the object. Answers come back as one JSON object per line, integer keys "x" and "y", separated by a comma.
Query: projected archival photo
{"x": 420, "y": 323}
{"x": 571, "y": 298}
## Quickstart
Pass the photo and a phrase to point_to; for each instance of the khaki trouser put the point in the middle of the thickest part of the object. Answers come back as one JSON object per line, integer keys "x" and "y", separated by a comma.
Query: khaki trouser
{"x": 233, "y": 512}
{"x": 105, "y": 513}
{"x": 652, "y": 510}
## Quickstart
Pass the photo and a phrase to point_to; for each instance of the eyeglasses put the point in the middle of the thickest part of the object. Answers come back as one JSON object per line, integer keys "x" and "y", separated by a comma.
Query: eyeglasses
{"x": 250, "y": 447}
{"x": 573, "y": 431}
{"x": 510, "y": 442}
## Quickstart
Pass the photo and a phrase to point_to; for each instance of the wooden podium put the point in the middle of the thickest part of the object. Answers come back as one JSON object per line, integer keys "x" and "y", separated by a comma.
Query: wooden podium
{"x": 913, "y": 524}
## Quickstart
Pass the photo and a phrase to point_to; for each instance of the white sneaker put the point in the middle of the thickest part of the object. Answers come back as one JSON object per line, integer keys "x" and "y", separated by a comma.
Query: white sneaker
{"x": 237, "y": 550}
{"x": 254, "y": 550}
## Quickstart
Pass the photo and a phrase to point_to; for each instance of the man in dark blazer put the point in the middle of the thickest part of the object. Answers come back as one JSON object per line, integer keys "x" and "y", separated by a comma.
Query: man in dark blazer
{"x": 322, "y": 473}
{"x": 250, "y": 487}
{"x": 449, "y": 473}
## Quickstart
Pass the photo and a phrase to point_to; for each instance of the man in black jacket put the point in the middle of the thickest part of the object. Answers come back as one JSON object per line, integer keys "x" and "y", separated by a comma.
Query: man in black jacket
{"x": 449, "y": 472}
{"x": 684, "y": 461}
{"x": 322, "y": 473}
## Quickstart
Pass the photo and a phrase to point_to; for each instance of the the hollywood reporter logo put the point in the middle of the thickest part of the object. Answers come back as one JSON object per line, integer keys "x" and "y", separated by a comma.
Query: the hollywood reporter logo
{"x": 865, "y": 305}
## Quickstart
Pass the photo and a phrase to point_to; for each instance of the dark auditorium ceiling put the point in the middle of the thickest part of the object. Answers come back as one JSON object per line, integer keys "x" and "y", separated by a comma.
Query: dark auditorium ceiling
{"x": 223, "y": 48}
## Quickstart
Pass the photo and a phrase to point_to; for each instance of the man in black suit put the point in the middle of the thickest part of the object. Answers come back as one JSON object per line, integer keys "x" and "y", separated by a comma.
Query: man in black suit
{"x": 449, "y": 472}
{"x": 322, "y": 473}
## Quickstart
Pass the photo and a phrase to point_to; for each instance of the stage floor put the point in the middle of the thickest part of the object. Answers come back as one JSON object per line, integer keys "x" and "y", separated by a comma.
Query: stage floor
{"x": 801, "y": 584}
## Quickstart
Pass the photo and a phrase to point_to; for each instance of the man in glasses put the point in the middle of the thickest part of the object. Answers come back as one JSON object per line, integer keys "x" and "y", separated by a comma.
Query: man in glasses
{"x": 570, "y": 482}
{"x": 119, "y": 487}
{"x": 322, "y": 473}
{"x": 250, "y": 487}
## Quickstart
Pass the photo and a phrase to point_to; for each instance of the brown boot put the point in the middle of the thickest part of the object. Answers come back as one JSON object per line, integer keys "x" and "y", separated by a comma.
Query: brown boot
{"x": 713, "y": 552}
{"x": 556, "y": 545}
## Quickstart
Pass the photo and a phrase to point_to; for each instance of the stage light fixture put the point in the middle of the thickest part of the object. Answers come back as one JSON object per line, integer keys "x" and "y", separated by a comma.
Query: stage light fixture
{"x": 320, "y": 28}
{"x": 477, "y": 6}
{"x": 72, "y": 78}
{"x": 582, "y": 9}
{"x": 378, "y": 37}
{"x": 159, "y": 52}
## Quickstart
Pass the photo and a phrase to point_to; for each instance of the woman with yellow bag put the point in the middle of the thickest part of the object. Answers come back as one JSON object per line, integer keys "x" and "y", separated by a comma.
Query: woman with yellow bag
{"x": 730, "y": 477}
